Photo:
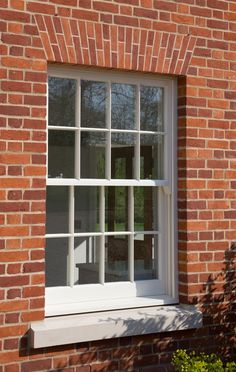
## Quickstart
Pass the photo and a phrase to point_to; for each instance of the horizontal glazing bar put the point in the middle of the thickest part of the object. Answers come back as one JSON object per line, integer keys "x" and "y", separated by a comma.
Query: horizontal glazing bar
{"x": 118, "y": 130}
{"x": 58, "y": 235}
{"x": 108, "y": 233}
{"x": 154, "y": 232}
{"x": 88, "y": 129}
{"x": 104, "y": 182}
{"x": 54, "y": 127}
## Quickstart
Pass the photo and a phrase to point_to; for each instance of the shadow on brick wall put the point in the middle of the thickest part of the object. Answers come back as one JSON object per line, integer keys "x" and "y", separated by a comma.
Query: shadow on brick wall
{"x": 153, "y": 352}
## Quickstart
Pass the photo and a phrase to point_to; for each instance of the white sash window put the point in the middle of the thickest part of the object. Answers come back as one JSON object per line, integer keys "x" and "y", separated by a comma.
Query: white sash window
{"x": 110, "y": 191}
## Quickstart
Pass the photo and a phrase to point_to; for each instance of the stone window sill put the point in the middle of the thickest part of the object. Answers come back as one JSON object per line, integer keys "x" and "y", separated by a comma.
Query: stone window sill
{"x": 69, "y": 329}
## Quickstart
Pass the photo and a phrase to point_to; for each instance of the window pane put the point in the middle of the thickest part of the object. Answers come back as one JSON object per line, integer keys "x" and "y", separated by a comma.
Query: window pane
{"x": 86, "y": 209}
{"x": 145, "y": 256}
{"x": 122, "y": 154}
{"x": 116, "y": 213}
{"x": 87, "y": 260}
{"x": 61, "y": 149}
{"x": 145, "y": 208}
{"x": 151, "y": 115}
{"x": 123, "y": 106}
{"x": 61, "y": 101}
{"x": 93, "y": 104}
{"x": 93, "y": 149}
{"x": 56, "y": 262}
{"x": 116, "y": 265}
{"x": 57, "y": 210}
{"x": 152, "y": 156}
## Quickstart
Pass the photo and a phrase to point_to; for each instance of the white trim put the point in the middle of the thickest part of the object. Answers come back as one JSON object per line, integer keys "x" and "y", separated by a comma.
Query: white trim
{"x": 104, "y": 325}
{"x": 67, "y": 300}
{"x": 102, "y": 238}
{"x": 118, "y": 295}
{"x": 131, "y": 237}
{"x": 101, "y": 182}
{"x": 114, "y": 76}
{"x": 71, "y": 238}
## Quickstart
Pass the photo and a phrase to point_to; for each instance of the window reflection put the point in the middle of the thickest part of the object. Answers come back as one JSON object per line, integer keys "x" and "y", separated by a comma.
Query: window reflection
{"x": 57, "y": 210}
{"x": 116, "y": 208}
{"x": 145, "y": 209}
{"x": 122, "y": 154}
{"x": 56, "y": 255}
{"x": 61, "y": 101}
{"x": 93, "y": 154}
{"x": 152, "y": 156}
{"x": 93, "y": 104}
{"x": 145, "y": 257}
{"x": 151, "y": 115}
{"x": 123, "y": 106}
{"x": 61, "y": 149}
{"x": 86, "y": 209}
{"x": 116, "y": 265}
{"x": 87, "y": 260}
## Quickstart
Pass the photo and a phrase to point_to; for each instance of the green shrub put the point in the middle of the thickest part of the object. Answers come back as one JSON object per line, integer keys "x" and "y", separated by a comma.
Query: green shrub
{"x": 190, "y": 362}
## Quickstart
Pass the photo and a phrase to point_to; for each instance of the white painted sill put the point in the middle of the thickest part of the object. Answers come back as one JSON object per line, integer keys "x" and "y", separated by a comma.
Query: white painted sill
{"x": 69, "y": 329}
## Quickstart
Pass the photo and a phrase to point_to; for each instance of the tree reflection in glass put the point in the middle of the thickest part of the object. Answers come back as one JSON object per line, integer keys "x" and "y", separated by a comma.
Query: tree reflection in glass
{"x": 61, "y": 101}
{"x": 93, "y": 104}
{"x": 151, "y": 115}
{"x": 123, "y": 106}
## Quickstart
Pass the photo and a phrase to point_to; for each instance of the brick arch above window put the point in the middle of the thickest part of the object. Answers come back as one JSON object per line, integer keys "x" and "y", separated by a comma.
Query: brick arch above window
{"x": 113, "y": 46}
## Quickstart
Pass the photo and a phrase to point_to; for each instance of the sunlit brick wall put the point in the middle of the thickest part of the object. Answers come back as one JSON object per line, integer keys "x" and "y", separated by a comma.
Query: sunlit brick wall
{"x": 193, "y": 40}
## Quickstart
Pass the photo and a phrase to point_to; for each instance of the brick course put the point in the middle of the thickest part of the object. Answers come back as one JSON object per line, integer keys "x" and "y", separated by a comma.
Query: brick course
{"x": 192, "y": 39}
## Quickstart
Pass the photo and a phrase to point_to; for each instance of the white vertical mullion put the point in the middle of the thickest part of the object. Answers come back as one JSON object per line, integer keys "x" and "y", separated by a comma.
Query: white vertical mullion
{"x": 162, "y": 222}
{"x": 77, "y": 131}
{"x": 71, "y": 238}
{"x": 168, "y": 120}
{"x": 108, "y": 135}
{"x": 169, "y": 230}
{"x": 102, "y": 238}
{"x": 131, "y": 228}
{"x": 137, "y": 151}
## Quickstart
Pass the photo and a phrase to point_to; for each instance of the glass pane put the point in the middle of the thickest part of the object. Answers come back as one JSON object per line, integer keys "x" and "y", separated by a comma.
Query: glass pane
{"x": 93, "y": 104}
{"x": 152, "y": 156}
{"x": 61, "y": 149}
{"x": 122, "y": 155}
{"x": 87, "y": 260}
{"x": 93, "y": 149}
{"x": 116, "y": 213}
{"x": 145, "y": 208}
{"x": 123, "y": 106}
{"x": 61, "y": 101}
{"x": 87, "y": 209}
{"x": 57, "y": 216}
{"x": 145, "y": 256}
{"x": 116, "y": 265}
{"x": 56, "y": 257}
{"x": 151, "y": 115}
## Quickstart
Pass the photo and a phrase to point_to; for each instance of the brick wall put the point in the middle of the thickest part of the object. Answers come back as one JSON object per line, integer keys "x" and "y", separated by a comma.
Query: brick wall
{"x": 192, "y": 39}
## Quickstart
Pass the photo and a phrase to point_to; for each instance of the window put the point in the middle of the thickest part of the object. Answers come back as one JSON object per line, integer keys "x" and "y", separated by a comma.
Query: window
{"x": 110, "y": 200}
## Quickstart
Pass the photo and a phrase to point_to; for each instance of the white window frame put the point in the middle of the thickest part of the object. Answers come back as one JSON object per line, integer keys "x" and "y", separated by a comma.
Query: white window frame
{"x": 120, "y": 295}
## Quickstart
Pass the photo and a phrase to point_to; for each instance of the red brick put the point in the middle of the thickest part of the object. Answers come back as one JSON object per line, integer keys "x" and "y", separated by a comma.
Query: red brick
{"x": 85, "y": 14}
{"x": 137, "y": 35}
{"x": 36, "y": 365}
{"x": 12, "y": 368}
{"x": 10, "y": 15}
{"x": 127, "y": 21}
